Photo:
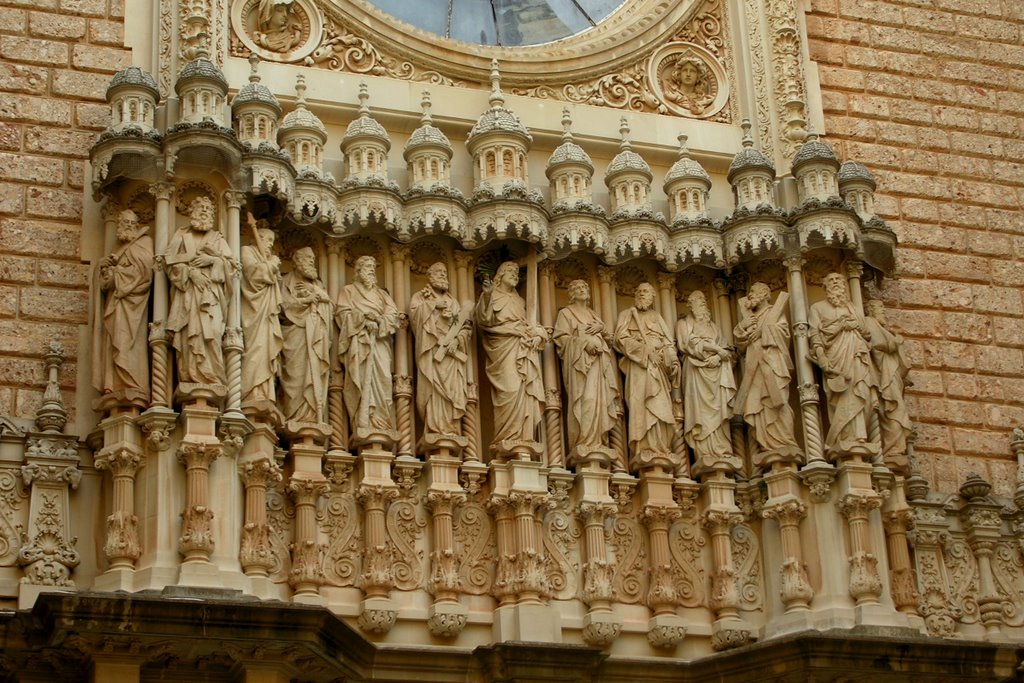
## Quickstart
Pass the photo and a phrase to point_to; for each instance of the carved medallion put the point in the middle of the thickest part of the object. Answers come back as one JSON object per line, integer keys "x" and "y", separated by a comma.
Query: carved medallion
{"x": 688, "y": 80}
{"x": 277, "y": 30}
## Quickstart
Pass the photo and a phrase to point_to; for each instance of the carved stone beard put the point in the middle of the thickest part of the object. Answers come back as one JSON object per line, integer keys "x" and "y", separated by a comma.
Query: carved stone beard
{"x": 201, "y": 224}
{"x": 126, "y": 234}
{"x": 701, "y": 313}
{"x": 368, "y": 280}
{"x": 837, "y": 297}
{"x": 307, "y": 270}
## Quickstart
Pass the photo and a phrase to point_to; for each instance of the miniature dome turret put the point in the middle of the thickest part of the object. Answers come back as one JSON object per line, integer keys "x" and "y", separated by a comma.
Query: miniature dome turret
{"x": 256, "y": 111}
{"x": 569, "y": 168}
{"x": 202, "y": 91}
{"x": 499, "y": 142}
{"x": 428, "y": 153}
{"x": 687, "y": 185}
{"x": 751, "y": 174}
{"x": 857, "y": 187}
{"x": 628, "y": 177}
{"x": 366, "y": 144}
{"x": 303, "y": 135}
{"x": 133, "y": 96}
{"x": 814, "y": 167}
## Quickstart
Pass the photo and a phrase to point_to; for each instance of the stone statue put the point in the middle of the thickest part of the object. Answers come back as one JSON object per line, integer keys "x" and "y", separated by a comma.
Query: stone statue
{"x": 708, "y": 384}
{"x": 651, "y": 367}
{"x": 763, "y": 396}
{"x": 367, "y": 319}
{"x": 261, "y": 327}
{"x": 511, "y": 343}
{"x": 306, "y": 322}
{"x": 121, "y": 351}
{"x": 839, "y": 345}
{"x": 891, "y": 361}
{"x": 443, "y": 334}
{"x": 278, "y": 31}
{"x": 589, "y": 372}
{"x": 199, "y": 266}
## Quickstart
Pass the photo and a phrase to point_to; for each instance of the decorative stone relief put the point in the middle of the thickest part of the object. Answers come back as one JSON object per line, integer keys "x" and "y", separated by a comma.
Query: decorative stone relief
{"x": 474, "y": 533}
{"x": 276, "y": 30}
{"x": 688, "y": 80}
{"x": 627, "y": 544}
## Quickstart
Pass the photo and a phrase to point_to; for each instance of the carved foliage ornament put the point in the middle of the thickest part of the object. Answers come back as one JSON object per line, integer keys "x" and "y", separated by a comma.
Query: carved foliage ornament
{"x": 609, "y": 65}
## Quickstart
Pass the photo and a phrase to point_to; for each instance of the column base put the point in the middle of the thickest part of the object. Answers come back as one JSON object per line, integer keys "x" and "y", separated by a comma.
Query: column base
{"x": 529, "y": 622}
{"x": 601, "y": 627}
{"x": 199, "y": 573}
{"x": 730, "y": 633}
{"x": 447, "y": 619}
{"x": 377, "y": 615}
{"x": 665, "y": 631}
{"x": 120, "y": 579}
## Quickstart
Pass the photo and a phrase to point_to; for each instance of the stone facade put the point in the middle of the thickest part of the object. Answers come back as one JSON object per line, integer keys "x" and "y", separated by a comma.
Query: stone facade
{"x": 193, "y": 491}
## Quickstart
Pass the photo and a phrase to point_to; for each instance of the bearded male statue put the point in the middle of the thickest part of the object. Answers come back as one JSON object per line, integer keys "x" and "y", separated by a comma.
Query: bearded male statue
{"x": 306, "y": 320}
{"x": 367, "y": 318}
{"x": 443, "y": 335}
{"x": 649, "y": 361}
{"x": 121, "y": 352}
{"x": 199, "y": 267}
{"x": 839, "y": 345}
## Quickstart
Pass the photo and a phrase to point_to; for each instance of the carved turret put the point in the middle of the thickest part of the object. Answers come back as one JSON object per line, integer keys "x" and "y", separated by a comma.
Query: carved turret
{"x": 256, "y": 111}
{"x": 499, "y": 143}
{"x": 428, "y": 153}
{"x": 303, "y": 135}
{"x": 687, "y": 185}
{"x": 857, "y": 187}
{"x": 815, "y": 166}
{"x": 202, "y": 91}
{"x": 752, "y": 175}
{"x": 628, "y": 178}
{"x": 366, "y": 144}
{"x": 570, "y": 169}
{"x": 133, "y": 96}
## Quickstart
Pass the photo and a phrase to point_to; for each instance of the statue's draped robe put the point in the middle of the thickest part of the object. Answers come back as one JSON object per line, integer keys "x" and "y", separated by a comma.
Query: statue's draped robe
{"x": 763, "y": 396}
{"x": 642, "y": 337}
{"x": 851, "y": 379}
{"x": 367, "y": 357}
{"x": 591, "y": 384}
{"x": 122, "y": 349}
{"x": 305, "y": 368}
{"x": 442, "y": 350}
{"x": 513, "y": 365}
{"x": 708, "y": 389}
{"x": 198, "y": 303}
{"x": 261, "y": 327}
{"x": 892, "y": 364}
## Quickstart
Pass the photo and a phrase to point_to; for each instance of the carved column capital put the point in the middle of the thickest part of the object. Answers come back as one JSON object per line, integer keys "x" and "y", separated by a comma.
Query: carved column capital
{"x": 788, "y": 513}
{"x": 721, "y": 286}
{"x": 399, "y": 252}
{"x": 122, "y": 462}
{"x": 375, "y": 495}
{"x": 794, "y": 263}
{"x": 162, "y": 190}
{"x": 606, "y": 275}
{"x": 854, "y": 268}
{"x": 263, "y": 472}
{"x": 660, "y": 516}
{"x": 463, "y": 259}
{"x": 720, "y": 521}
{"x": 444, "y": 501}
{"x": 198, "y": 455}
{"x": 595, "y": 513}
{"x": 858, "y": 505}
{"x": 235, "y": 199}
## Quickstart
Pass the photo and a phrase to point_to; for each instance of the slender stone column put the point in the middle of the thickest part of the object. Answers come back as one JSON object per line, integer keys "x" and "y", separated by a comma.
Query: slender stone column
{"x": 158, "y": 341}
{"x": 122, "y": 546}
{"x": 196, "y": 542}
{"x": 233, "y": 343}
{"x": 982, "y": 521}
{"x": 807, "y": 387}
{"x": 607, "y": 308}
{"x": 665, "y": 628}
{"x": 403, "y": 378}
{"x": 720, "y": 515}
{"x": 447, "y": 617}
{"x": 552, "y": 394}
{"x": 902, "y": 579}
{"x": 335, "y": 407}
{"x": 255, "y": 552}
{"x": 471, "y": 420}
{"x": 600, "y": 625}
{"x": 307, "y": 572}
{"x": 505, "y": 584}
{"x": 795, "y": 591}
{"x": 375, "y": 492}
{"x": 854, "y": 273}
{"x": 865, "y": 584}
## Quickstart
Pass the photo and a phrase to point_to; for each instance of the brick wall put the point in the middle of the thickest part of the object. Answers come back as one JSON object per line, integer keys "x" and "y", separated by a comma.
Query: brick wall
{"x": 56, "y": 58}
{"x": 930, "y": 95}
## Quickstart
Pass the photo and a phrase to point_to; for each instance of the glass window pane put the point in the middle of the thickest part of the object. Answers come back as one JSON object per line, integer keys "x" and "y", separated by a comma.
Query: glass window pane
{"x": 473, "y": 22}
{"x": 429, "y": 15}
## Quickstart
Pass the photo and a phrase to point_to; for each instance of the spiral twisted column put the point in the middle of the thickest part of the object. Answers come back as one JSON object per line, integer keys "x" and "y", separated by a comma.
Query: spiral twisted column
{"x": 807, "y": 388}
{"x": 471, "y": 420}
{"x": 160, "y": 349}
